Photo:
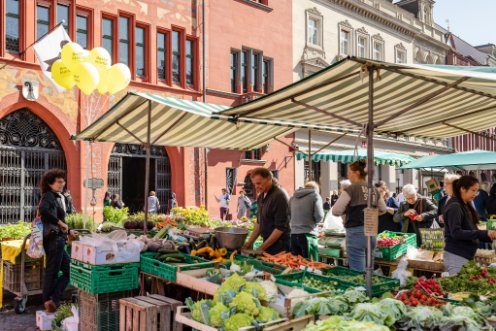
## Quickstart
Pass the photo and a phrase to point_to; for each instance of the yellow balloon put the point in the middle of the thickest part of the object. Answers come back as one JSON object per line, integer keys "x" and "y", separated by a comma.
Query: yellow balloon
{"x": 118, "y": 77}
{"x": 86, "y": 77}
{"x": 72, "y": 54}
{"x": 103, "y": 83}
{"x": 62, "y": 75}
{"x": 100, "y": 58}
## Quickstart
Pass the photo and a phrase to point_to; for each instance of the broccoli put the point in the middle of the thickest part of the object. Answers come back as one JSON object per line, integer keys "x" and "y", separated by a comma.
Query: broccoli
{"x": 237, "y": 321}
{"x": 255, "y": 289}
{"x": 234, "y": 282}
{"x": 200, "y": 310}
{"x": 246, "y": 303}
{"x": 267, "y": 314}
{"x": 216, "y": 319}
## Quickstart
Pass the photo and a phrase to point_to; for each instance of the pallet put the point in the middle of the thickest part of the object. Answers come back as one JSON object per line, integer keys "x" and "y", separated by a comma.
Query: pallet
{"x": 148, "y": 313}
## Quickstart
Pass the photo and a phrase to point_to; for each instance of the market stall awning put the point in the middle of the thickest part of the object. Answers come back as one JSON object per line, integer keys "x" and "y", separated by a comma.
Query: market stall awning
{"x": 349, "y": 156}
{"x": 409, "y": 100}
{"x": 472, "y": 160}
{"x": 177, "y": 122}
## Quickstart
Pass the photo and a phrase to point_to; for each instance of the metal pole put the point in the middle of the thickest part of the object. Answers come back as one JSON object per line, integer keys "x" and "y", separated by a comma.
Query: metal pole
{"x": 310, "y": 163}
{"x": 370, "y": 176}
{"x": 204, "y": 86}
{"x": 148, "y": 148}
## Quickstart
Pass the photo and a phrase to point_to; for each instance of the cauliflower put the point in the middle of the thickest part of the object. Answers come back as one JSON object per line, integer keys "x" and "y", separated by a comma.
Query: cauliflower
{"x": 199, "y": 310}
{"x": 246, "y": 303}
{"x": 216, "y": 319}
{"x": 267, "y": 314}
{"x": 237, "y": 321}
{"x": 256, "y": 290}
{"x": 271, "y": 290}
{"x": 234, "y": 282}
{"x": 224, "y": 296}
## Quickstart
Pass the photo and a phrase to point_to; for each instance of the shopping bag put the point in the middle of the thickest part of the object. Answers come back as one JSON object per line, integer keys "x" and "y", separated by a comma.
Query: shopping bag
{"x": 35, "y": 248}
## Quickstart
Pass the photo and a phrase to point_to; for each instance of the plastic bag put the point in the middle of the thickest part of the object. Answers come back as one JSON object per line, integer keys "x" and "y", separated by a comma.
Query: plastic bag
{"x": 35, "y": 248}
{"x": 332, "y": 222}
{"x": 71, "y": 323}
{"x": 401, "y": 272}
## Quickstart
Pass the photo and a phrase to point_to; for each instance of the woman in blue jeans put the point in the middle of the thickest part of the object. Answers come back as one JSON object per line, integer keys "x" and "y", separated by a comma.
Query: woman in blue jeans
{"x": 53, "y": 209}
{"x": 352, "y": 202}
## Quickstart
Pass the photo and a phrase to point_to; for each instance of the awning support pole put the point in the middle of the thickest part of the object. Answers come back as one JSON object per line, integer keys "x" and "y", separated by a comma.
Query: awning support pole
{"x": 370, "y": 176}
{"x": 482, "y": 135}
{"x": 330, "y": 143}
{"x": 336, "y": 116}
{"x": 148, "y": 148}
{"x": 130, "y": 133}
{"x": 310, "y": 163}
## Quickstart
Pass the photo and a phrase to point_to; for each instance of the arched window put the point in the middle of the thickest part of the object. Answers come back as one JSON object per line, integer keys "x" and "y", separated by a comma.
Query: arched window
{"x": 28, "y": 148}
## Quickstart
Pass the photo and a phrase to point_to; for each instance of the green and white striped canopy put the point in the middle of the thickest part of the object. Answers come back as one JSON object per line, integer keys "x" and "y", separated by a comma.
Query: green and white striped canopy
{"x": 412, "y": 100}
{"x": 349, "y": 156}
{"x": 471, "y": 160}
{"x": 178, "y": 122}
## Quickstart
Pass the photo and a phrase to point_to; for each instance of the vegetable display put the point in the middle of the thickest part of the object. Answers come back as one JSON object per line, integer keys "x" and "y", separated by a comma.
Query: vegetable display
{"x": 388, "y": 242}
{"x": 14, "y": 231}
{"x": 330, "y": 305}
{"x": 473, "y": 279}
{"x": 115, "y": 215}
{"x": 338, "y": 323}
{"x": 80, "y": 221}
{"x": 319, "y": 284}
{"x": 423, "y": 293}
{"x": 292, "y": 261}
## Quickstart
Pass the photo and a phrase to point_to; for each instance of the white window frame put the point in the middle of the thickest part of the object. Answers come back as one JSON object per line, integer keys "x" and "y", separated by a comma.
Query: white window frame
{"x": 400, "y": 49}
{"x": 362, "y": 34}
{"x": 345, "y": 27}
{"x": 379, "y": 40}
{"x": 314, "y": 14}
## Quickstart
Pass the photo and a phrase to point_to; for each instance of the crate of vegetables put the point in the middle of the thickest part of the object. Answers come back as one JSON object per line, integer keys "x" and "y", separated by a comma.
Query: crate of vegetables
{"x": 166, "y": 265}
{"x": 350, "y": 278}
{"x": 392, "y": 245}
{"x": 272, "y": 268}
{"x": 310, "y": 282}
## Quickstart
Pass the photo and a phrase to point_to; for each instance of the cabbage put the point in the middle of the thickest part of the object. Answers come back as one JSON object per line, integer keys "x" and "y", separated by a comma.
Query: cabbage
{"x": 368, "y": 312}
{"x": 271, "y": 290}
{"x": 355, "y": 295}
{"x": 338, "y": 323}
{"x": 423, "y": 317}
{"x": 393, "y": 309}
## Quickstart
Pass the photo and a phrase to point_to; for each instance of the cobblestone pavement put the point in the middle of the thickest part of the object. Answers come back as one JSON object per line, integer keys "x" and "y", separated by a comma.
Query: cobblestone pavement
{"x": 10, "y": 321}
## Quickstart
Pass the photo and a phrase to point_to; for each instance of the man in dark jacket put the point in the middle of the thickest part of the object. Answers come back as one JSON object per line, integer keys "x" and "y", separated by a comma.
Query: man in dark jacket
{"x": 273, "y": 214}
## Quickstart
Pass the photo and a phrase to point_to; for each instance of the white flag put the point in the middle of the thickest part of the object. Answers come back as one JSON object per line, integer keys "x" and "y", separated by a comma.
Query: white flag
{"x": 47, "y": 51}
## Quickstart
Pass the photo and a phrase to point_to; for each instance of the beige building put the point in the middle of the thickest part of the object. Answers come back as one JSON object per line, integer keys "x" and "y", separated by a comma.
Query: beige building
{"x": 325, "y": 31}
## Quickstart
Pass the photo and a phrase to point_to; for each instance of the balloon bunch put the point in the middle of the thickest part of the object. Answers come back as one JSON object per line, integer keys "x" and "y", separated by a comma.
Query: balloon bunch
{"x": 89, "y": 71}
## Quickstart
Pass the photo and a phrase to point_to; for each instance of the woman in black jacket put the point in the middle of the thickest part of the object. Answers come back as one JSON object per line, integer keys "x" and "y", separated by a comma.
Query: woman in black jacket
{"x": 52, "y": 209}
{"x": 461, "y": 234}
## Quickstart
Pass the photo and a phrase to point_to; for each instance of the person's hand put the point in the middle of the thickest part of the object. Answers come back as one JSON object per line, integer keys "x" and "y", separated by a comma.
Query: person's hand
{"x": 409, "y": 212}
{"x": 74, "y": 233}
{"x": 64, "y": 227}
{"x": 492, "y": 234}
{"x": 248, "y": 246}
{"x": 419, "y": 218}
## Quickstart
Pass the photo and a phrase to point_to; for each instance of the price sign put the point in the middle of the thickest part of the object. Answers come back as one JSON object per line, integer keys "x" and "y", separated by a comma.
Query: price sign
{"x": 371, "y": 221}
{"x": 93, "y": 183}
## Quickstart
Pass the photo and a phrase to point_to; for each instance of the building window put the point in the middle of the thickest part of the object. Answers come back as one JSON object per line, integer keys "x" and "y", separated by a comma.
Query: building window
{"x": 108, "y": 35}
{"x": 42, "y": 20}
{"x": 255, "y": 154}
{"x": 234, "y": 70}
{"x": 244, "y": 70}
{"x": 378, "y": 50}
{"x": 124, "y": 40}
{"x": 140, "y": 51}
{"x": 162, "y": 55}
{"x": 314, "y": 31}
{"x": 190, "y": 62}
{"x": 267, "y": 75}
{"x": 176, "y": 58}
{"x": 255, "y": 70}
{"x": 344, "y": 42}
{"x": 400, "y": 56}
{"x": 63, "y": 15}
{"x": 362, "y": 46}
{"x": 82, "y": 30}
{"x": 12, "y": 26}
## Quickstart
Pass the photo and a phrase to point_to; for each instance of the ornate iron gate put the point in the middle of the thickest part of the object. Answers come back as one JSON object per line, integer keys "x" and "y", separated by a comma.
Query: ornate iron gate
{"x": 162, "y": 169}
{"x": 28, "y": 147}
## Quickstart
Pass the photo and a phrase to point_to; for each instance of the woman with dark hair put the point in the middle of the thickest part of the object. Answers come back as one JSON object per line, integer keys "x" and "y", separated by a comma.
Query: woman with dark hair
{"x": 352, "y": 202}
{"x": 461, "y": 234}
{"x": 117, "y": 201}
{"x": 52, "y": 210}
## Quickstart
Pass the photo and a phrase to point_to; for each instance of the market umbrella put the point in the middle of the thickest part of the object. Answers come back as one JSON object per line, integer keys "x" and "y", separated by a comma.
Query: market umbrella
{"x": 472, "y": 160}
{"x": 349, "y": 156}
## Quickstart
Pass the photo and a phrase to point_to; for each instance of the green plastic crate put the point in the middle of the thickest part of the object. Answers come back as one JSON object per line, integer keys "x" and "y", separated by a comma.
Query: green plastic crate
{"x": 168, "y": 271}
{"x": 98, "y": 279}
{"x": 272, "y": 268}
{"x": 395, "y": 252}
{"x": 385, "y": 284}
{"x": 296, "y": 280}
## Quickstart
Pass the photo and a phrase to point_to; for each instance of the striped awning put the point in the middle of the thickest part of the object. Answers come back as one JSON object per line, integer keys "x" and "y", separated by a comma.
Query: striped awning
{"x": 409, "y": 100}
{"x": 349, "y": 156}
{"x": 178, "y": 122}
{"x": 471, "y": 160}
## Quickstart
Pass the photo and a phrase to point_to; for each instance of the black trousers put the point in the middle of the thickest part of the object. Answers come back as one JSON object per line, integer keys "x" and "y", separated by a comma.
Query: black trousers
{"x": 57, "y": 260}
{"x": 299, "y": 245}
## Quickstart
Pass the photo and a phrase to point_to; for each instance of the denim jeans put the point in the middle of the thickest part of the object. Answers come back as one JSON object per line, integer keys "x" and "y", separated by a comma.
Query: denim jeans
{"x": 356, "y": 248}
{"x": 57, "y": 260}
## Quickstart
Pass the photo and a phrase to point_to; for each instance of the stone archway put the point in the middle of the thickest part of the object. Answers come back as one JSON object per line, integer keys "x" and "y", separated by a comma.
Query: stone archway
{"x": 28, "y": 147}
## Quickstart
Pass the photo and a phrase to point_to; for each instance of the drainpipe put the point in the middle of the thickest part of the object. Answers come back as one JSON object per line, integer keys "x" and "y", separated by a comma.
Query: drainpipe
{"x": 204, "y": 95}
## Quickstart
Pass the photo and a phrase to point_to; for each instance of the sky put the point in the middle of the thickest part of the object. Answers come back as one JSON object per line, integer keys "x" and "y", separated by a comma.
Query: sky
{"x": 473, "y": 20}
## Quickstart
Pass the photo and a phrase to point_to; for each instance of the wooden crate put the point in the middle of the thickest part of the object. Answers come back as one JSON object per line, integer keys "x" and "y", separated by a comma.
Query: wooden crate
{"x": 292, "y": 325}
{"x": 148, "y": 313}
{"x": 192, "y": 279}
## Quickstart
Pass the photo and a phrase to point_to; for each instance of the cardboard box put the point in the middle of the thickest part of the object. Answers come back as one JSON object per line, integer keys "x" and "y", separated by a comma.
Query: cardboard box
{"x": 77, "y": 249}
{"x": 44, "y": 320}
{"x": 99, "y": 255}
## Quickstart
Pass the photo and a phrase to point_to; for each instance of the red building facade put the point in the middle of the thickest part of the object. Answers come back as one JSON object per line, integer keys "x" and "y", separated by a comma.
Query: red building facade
{"x": 161, "y": 42}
